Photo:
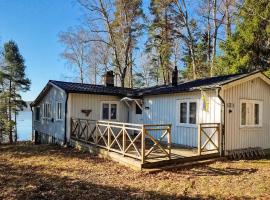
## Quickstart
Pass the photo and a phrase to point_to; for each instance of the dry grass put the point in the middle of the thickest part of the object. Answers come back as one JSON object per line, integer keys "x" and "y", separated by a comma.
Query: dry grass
{"x": 51, "y": 172}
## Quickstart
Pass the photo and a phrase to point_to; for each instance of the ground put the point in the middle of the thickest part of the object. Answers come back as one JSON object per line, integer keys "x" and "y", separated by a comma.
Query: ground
{"x": 30, "y": 171}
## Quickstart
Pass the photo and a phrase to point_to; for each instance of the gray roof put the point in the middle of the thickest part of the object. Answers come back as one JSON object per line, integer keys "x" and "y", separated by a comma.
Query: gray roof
{"x": 70, "y": 87}
{"x": 204, "y": 83}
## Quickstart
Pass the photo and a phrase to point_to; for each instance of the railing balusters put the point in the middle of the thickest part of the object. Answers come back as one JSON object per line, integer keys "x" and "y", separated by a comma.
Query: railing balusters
{"x": 124, "y": 139}
{"x": 107, "y": 135}
{"x": 202, "y": 130}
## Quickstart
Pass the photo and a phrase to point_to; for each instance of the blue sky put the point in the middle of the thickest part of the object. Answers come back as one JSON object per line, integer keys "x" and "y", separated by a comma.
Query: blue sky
{"x": 35, "y": 25}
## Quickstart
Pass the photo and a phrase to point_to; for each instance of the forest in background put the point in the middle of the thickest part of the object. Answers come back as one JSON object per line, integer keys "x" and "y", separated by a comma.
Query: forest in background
{"x": 143, "y": 40}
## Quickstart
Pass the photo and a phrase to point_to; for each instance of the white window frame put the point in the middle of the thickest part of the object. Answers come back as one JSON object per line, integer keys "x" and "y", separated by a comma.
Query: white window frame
{"x": 61, "y": 111}
{"x": 36, "y": 113}
{"x": 117, "y": 110}
{"x": 188, "y": 101}
{"x": 253, "y": 102}
{"x": 48, "y": 114}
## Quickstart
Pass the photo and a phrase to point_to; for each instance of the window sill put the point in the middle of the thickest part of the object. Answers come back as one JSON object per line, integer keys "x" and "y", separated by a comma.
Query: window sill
{"x": 187, "y": 125}
{"x": 59, "y": 120}
{"x": 251, "y": 127}
{"x": 114, "y": 120}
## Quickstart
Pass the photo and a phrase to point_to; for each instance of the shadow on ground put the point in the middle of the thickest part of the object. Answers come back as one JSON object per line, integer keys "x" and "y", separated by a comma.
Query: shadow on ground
{"x": 28, "y": 182}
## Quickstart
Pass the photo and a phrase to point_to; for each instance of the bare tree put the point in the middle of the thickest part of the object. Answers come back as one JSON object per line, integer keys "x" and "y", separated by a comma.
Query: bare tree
{"x": 76, "y": 49}
{"x": 118, "y": 26}
{"x": 187, "y": 35}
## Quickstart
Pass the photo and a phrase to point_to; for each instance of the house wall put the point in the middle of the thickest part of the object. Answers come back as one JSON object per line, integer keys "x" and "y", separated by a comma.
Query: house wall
{"x": 77, "y": 102}
{"x": 164, "y": 109}
{"x": 236, "y": 137}
{"x": 52, "y": 130}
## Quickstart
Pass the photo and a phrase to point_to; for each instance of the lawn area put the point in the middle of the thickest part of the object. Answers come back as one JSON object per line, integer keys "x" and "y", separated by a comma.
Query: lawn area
{"x": 51, "y": 172}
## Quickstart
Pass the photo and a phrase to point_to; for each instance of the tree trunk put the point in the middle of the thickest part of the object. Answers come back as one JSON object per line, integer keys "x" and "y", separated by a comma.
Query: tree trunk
{"x": 9, "y": 114}
{"x": 215, "y": 38}
{"x": 228, "y": 19}
{"x": 209, "y": 34}
{"x": 15, "y": 131}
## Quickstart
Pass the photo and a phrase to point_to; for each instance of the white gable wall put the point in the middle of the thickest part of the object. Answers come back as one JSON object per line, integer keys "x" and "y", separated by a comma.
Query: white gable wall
{"x": 54, "y": 128}
{"x": 236, "y": 137}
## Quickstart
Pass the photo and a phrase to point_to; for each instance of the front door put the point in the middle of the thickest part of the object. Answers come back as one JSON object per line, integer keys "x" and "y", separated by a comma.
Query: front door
{"x": 137, "y": 114}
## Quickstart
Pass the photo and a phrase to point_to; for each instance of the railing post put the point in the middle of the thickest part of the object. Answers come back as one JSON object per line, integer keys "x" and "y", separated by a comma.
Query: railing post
{"x": 109, "y": 137}
{"x": 219, "y": 138}
{"x": 199, "y": 139}
{"x": 143, "y": 145}
{"x": 96, "y": 133}
{"x": 170, "y": 140}
{"x": 79, "y": 128}
{"x": 124, "y": 139}
{"x": 71, "y": 127}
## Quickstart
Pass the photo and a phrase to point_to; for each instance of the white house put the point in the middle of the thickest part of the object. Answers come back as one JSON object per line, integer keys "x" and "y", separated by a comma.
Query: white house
{"x": 240, "y": 102}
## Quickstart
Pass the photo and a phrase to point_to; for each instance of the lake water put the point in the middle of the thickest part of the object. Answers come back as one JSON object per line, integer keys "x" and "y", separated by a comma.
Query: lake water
{"x": 24, "y": 125}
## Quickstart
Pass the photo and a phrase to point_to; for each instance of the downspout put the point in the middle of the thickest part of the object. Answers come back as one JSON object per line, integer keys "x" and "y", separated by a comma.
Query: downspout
{"x": 222, "y": 124}
{"x": 66, "y": 110}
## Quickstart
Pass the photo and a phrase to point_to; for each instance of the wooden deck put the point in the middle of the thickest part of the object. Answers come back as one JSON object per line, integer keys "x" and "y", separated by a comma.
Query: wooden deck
{"x": 137, "y": 145}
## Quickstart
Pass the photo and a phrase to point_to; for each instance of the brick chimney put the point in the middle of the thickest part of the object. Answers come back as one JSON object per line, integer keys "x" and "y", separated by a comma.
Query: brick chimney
{"x": 108, "y": 78}
{"x": 175, "y": 76}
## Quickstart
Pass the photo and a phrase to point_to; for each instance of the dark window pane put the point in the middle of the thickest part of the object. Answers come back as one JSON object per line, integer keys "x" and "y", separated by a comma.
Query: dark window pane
{"x": 256, "y": 112}
{"x": 113, "y": 111}
{"x": 192, "y": 113}
{"x": 37, "y": 113}
{"x": 243, "y": 113}
{"x": 138, "y": 110}
{"x": 183, "y": 112}
{"x": 105, "y": 111}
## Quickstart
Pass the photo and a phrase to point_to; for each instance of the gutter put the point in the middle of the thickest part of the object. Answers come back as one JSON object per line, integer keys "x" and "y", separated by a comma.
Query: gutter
{"x": 222, "y": 124}
{"x": 65, "y": 129}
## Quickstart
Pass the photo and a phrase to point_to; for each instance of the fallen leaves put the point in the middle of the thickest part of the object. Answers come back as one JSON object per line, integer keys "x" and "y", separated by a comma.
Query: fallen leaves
{"x": 51, "y": 172}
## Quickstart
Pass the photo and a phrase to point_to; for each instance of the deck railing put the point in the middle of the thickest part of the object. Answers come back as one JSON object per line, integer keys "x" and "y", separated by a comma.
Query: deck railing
{"x": 138, "y": 141}
{"x": 208, "y": 137}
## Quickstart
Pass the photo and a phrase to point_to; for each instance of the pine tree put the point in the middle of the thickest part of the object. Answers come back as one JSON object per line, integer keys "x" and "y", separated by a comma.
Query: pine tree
{"x": 248, "y": 48}
{"x": 14, "y": 82}
{"x": 127, "y": 27}
{"x": 161, "y": 38}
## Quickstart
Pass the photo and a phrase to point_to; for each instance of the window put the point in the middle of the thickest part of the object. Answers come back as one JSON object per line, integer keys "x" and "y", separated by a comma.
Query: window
{"x": 188, "y": 112}
{"x": 47, "y": 110}
{"x": 113, "y": 111}
{"x": 59, "y": 110}
{"x": 37, "y": 113}
{"x": 251, "y": 113}
{"x": 105, "y": 111}
{"x": 192, "y": 113}
{"x": 138, "y": 110}
{"x": 183, "y": 113}
{"x": 109, "y": 111}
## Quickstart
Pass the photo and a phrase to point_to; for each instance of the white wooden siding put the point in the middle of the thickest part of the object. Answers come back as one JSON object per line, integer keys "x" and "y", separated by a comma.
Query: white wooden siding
{"x": 236, "y": 137}
{"x": 55, "y": 128}
{"x": 164, "y": 109}
{"x": 77, "y": 102}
